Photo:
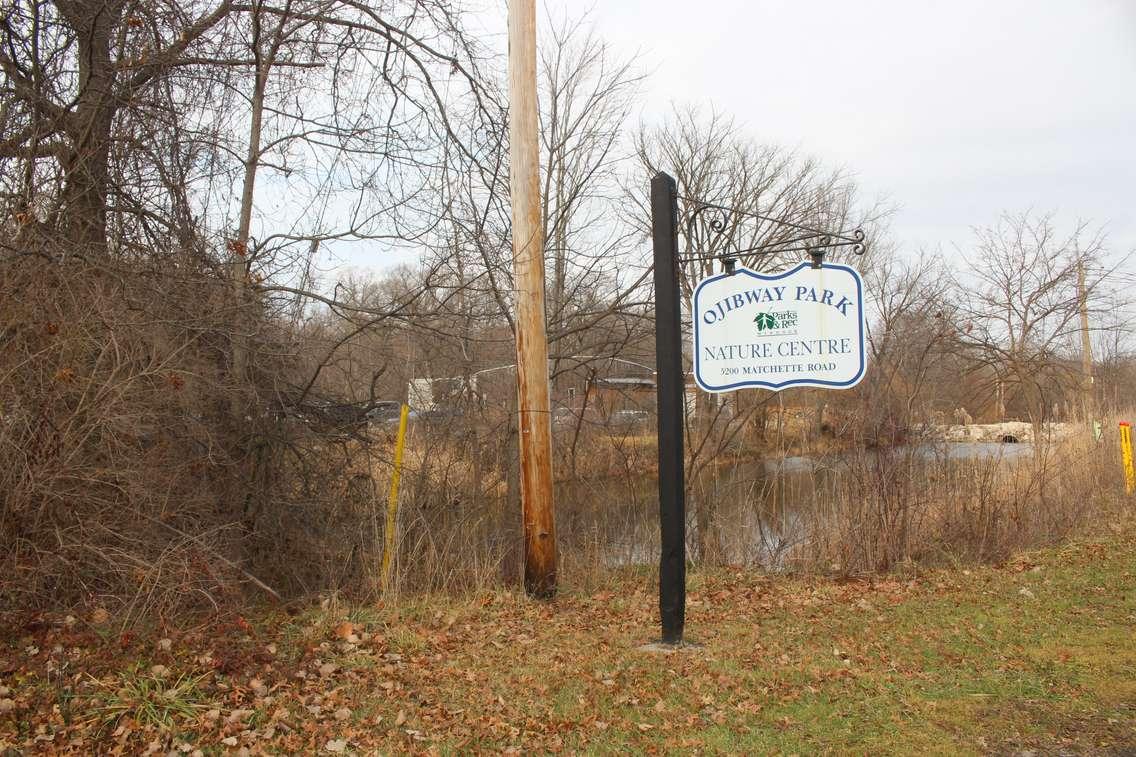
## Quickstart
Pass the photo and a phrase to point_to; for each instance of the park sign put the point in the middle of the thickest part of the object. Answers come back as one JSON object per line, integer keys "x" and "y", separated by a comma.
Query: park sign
{"x": 803, "y": 327}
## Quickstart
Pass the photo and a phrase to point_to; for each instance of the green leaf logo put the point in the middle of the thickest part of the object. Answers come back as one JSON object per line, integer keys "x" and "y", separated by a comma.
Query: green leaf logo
{"x": 765, "y": 321}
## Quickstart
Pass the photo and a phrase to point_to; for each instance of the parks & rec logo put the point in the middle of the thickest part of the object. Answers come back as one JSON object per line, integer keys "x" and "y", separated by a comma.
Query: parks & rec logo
{"x": 775, "y": 321}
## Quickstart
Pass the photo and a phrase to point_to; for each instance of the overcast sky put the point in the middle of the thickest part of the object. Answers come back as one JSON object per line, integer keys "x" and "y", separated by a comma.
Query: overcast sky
{"x": 955, "y": 111}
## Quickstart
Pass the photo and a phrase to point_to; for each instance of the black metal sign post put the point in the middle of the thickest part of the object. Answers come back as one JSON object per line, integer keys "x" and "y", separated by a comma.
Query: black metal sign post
{"x": 670, "y": 383}
{"x": 670, "y": 388}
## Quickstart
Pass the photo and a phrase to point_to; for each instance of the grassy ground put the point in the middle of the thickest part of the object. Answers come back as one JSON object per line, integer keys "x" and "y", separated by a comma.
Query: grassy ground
{"x": 1035, "y": 655}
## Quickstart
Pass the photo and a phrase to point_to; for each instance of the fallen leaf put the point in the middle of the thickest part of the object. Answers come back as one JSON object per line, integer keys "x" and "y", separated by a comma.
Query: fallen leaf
{"x": 237, "y": 716}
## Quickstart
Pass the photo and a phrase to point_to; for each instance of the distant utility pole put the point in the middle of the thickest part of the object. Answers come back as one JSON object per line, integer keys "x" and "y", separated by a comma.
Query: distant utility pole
{"x": 1086, "y": 345}
{"x": 535, "y": 438}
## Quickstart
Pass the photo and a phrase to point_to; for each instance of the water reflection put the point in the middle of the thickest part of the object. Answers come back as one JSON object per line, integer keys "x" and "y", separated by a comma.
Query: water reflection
{"x": 760, "y": 506}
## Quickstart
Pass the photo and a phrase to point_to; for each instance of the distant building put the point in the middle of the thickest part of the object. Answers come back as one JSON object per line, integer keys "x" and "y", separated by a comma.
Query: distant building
{"x": 615, "y": 393}
{"x": 428, "y": 394}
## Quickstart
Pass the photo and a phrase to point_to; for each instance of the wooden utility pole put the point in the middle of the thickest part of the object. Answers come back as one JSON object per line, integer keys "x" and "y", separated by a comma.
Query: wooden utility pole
{"x": 534, "y": 411}
{"x": 1086, "y": 345}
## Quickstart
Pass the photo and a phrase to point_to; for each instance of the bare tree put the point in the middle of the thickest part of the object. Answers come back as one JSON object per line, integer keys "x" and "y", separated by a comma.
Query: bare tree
{"x": 70, "y": 69}
{"x": 588, "y": 98}
{"x": 910, "y": 336}
{"x": 1018, "y": 308}
{"x": 168, "y": 173}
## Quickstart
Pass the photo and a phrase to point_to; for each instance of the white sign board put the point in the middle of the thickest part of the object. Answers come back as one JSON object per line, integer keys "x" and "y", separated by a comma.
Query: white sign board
{"x": 804, "y": 327}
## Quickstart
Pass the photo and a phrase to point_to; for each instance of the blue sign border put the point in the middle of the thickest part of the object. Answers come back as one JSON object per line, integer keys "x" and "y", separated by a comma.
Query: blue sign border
{"x": 791, "y": 382}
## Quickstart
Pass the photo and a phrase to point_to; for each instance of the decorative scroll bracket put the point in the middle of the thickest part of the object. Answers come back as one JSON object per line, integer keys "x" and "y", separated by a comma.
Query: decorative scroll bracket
{"x": 812, "y": 241}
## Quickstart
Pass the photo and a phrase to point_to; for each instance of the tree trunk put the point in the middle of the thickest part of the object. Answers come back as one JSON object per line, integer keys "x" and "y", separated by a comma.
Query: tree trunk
{"x": 86, "y": 168}
{"x": 239, "y": 249}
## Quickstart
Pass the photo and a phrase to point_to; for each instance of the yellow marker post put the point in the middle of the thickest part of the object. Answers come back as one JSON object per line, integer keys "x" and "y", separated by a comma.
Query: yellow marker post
{"x": 1126, "y": 456}
{"x": 392, "y": 500}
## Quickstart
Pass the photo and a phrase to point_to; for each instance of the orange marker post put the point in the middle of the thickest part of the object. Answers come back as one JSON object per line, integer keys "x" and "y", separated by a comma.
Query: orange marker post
{"x": 392, "y": 501}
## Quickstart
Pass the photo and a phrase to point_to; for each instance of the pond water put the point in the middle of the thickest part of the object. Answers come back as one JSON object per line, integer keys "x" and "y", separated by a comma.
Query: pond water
{"x": 760, "y": 505}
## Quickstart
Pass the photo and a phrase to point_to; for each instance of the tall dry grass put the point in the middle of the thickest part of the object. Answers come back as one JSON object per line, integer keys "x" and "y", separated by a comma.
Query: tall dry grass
{"x": 856, "y": 512}
{"x": 917, "y": 505}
